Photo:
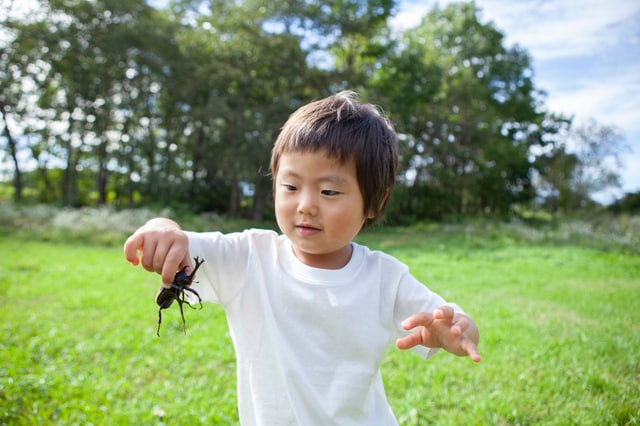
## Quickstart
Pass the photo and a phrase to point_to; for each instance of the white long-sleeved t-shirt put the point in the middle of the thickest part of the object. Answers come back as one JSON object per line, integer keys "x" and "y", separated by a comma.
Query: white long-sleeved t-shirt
{"x": 308, "y": 341}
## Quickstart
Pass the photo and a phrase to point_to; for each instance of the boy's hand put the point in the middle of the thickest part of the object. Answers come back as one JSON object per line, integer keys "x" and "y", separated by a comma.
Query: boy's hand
{"x": 454, "y": 332}
{"x": 163, "y": 248}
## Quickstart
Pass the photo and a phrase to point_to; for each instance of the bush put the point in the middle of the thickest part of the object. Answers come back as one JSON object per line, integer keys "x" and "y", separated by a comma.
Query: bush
{"x": 103, "y": 225}
{"x": 107, "y": 226}
{"x": 89, "y": 225}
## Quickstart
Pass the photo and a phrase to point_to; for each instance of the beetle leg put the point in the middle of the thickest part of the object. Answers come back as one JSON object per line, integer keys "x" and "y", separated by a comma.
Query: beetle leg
{"x": 184, "y": 324}
{"x": 159, "y": 321}
{"x": 192, "y": 292}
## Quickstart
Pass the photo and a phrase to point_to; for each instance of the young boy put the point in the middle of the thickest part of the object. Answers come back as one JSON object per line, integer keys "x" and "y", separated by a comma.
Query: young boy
{"x": 310, "y": 312}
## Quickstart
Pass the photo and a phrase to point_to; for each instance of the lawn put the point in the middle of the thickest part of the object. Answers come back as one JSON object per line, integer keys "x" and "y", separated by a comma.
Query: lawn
{"x": 560, "y": 336}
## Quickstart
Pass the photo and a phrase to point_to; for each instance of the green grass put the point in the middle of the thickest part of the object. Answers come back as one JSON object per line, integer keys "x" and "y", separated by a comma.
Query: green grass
{"x": 560, "y": 336}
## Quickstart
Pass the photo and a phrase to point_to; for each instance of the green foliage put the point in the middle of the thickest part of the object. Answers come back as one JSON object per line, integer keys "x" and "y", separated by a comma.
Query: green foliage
{"x": 559, "y": 331}
{"x": 119, "y": 103}
{"x": 579, "y": 165}
{"x": 630, "y": 203}
{"x": 465, "y": 105}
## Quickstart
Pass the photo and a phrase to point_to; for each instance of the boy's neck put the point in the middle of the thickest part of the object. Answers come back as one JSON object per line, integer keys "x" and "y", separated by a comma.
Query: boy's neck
{"x": 335, "y": 260}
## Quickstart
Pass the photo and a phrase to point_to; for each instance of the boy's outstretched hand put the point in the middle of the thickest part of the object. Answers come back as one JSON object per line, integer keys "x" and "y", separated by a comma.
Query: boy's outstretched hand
{"x": 162, "y": 247}
{"x": 444, "y": 328}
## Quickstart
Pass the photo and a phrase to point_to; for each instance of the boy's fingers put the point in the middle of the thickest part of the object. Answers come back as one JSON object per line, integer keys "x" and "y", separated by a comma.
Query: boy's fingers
{"x": 173, "y": 262}
{"x": 408, "y": 342}
{"x": 420, "y": 319}
{"x": 148, "y": 255}
{"x": 131, "y": 246}
{"x": 444, "y": 312}
{"x": 471, "y": 349}
{"x": 460, "y": 325}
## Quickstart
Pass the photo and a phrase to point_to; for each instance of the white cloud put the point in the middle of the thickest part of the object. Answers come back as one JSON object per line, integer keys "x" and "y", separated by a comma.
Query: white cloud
{"x": 548, "y": 29}
{"x": 551, "y": 29}
{"x": 613, "y": 98}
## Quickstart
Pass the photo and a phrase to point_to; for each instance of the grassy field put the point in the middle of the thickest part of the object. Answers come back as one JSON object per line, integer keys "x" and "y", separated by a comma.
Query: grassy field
{"x": 559, "y": 321}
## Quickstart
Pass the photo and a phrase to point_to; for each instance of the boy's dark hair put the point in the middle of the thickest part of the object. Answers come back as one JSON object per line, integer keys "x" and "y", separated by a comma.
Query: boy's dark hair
{"x": 347, "y": 130}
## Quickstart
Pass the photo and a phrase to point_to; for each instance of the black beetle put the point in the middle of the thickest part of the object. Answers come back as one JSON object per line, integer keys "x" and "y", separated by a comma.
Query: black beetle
{"x": 175, "y": 291}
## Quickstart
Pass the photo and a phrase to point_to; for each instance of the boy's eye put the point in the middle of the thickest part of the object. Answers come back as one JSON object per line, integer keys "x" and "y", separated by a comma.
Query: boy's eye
{"x": 288, "y": 187}
{"x": 329, "y": 192}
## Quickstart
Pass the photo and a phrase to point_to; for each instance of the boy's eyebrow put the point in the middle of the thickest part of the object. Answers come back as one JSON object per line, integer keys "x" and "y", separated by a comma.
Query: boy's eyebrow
{"x": 331, "y": 178}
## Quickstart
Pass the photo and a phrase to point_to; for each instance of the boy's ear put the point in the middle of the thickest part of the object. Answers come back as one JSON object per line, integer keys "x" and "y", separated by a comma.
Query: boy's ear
{"x": 375, "y": 212}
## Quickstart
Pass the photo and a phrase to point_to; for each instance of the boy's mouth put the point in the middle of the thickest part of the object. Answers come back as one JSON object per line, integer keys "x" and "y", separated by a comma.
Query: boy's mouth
{"x": 306, "y": 230}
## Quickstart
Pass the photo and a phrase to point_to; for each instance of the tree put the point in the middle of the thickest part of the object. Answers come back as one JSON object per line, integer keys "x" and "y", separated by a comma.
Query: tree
{"x": 81, "y": 59}
{"x": 13, "y": 151}
{"x": 12, "y": 93}
{"x": 117, "y": 102}
{"x": 599, "y": 149}
{"x": 466, "y": 108}
{"x": 630, "y": 203}
{"x": 77, "y": 55}
{"x": 583, "y": 162}
{"x": 228, "y": 96}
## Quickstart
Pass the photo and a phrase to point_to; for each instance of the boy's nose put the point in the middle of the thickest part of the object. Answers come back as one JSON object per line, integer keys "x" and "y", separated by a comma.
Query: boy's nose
{"x": 307, "y": 204}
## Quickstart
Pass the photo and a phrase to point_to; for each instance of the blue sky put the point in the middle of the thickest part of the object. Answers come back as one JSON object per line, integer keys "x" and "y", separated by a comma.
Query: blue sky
{"x": 586, "y": 56}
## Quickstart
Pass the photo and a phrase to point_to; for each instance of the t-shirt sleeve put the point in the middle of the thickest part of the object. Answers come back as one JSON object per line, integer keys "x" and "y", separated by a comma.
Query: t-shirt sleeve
{"x": 225, "y": 256}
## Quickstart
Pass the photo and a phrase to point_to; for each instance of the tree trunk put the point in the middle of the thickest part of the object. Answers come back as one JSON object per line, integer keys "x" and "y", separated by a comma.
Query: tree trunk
{"x": 261, "y": 197}
{"x": 236, "y": 135}
{"x": 17, "y": 181}
{"x": 70, "y": 176}
{"x": 102, "y": 175}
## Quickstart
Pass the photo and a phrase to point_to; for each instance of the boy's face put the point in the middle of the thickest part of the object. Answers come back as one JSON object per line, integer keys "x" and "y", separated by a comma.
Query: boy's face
{"x": 319, "y": 206}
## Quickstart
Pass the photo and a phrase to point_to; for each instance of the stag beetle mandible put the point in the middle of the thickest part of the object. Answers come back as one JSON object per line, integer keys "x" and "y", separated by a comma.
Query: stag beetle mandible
{"x": 180, "y": 284}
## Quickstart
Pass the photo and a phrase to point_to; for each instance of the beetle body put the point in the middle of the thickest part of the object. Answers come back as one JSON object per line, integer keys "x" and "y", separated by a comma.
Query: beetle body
{"x": 176, "y": 291}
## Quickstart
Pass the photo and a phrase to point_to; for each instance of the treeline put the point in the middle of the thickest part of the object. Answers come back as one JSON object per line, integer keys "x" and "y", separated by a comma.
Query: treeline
{"x": 116, "y": 102}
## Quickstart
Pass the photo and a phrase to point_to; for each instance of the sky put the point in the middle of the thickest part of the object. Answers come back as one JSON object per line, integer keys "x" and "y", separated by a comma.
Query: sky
{"x": 585, "y": 55}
